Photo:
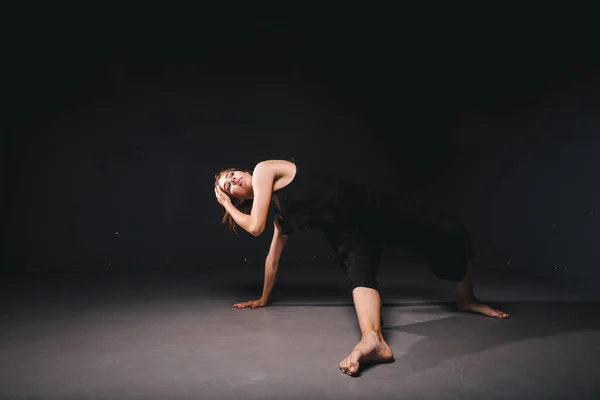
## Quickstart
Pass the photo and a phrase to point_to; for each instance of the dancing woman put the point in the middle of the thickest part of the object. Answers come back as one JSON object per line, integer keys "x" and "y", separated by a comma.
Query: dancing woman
{"x": 358, "y": 220}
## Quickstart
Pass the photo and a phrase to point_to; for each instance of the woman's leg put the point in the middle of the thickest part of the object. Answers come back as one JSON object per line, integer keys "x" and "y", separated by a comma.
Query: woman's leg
{"x": 372, "y": 347}
{"x": 466, "y": 300}
{"x": 446, "y": 244}
{"x": 359, "y": 255}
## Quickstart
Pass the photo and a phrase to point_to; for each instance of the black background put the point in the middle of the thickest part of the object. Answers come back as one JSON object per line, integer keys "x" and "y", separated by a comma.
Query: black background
{"x": 117, "y": 118}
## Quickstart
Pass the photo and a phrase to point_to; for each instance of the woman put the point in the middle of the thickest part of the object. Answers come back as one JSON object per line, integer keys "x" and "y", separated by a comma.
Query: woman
{"x": 358, "y": 221}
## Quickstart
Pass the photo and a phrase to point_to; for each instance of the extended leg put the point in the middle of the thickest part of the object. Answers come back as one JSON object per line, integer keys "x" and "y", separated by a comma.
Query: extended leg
{"x": 359, "y": 255}
{"x": 466, "y": 300}
{"x": 372, "y": 348}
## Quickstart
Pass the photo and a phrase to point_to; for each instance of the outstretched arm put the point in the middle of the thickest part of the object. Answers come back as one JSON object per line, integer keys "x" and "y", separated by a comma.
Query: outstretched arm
{"x": 272, "y": 261}
{"x": 271, "y": 266}
{"x": 263, "y": 178}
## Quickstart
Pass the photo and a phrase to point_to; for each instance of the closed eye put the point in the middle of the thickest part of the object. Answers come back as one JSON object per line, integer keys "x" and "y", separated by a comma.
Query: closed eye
{"x": 228, "y": 185}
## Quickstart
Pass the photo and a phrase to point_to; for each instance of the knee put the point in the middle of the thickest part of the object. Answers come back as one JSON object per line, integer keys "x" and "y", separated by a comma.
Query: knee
{"x": 361, "y": 271}
{"x": 364, "y": 283}
{"x": 360, "y": 290}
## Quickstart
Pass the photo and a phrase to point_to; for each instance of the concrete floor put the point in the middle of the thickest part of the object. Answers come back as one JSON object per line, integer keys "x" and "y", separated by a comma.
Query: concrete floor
{"x": 161, "y": 334}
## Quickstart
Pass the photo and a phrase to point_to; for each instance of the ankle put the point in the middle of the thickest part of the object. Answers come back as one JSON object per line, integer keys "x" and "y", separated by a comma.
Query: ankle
{"x": 372, "y": 335}
{"x": 464, "y": 289}
{"x": 465, "y": 297}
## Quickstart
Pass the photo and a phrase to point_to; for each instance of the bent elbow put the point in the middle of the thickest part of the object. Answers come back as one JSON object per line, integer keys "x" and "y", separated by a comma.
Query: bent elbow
{"x": 257, "y": 231}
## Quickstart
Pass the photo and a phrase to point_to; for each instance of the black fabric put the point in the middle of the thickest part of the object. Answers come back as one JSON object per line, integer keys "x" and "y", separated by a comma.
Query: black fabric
{"x": 359, "y": 255}
{"x": 308, "y": 202}
{"x": 360, "y": 220}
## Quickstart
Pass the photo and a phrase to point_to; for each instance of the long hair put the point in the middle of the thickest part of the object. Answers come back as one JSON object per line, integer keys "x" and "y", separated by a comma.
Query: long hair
{"x": 245, "y": 206}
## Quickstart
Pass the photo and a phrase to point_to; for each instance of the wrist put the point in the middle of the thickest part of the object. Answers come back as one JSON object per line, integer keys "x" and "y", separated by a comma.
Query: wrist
{"x": 228, "y": 206}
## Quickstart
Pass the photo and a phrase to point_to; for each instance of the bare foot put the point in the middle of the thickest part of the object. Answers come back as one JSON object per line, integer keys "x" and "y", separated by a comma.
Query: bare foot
{"x": 371, "y": 349}
{"x": 473, "y": 305}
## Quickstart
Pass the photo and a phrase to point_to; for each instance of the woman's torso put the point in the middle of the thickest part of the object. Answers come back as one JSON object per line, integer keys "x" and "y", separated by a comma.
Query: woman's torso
{"x": 305, "y": 199}
{"x": 311, "y": 199}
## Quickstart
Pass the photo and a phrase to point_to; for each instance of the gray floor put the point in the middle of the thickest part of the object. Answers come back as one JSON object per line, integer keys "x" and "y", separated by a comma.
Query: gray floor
{"x": 173, "y": 335}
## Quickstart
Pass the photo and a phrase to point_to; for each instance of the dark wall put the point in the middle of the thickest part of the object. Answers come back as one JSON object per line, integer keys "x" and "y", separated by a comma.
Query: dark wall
{"x": 118, "y": 124}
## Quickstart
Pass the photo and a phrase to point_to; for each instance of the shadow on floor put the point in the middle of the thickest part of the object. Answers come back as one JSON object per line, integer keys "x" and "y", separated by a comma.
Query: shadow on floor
{"x": 327, "y": 293}
{"x": 468, "y": 333}
{"x": 455, "y": 333}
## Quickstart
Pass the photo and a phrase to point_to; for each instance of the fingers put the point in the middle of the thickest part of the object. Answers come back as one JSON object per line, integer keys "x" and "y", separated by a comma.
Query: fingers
{"x": 221, "y": 196}
{"x": 218, "y": 194}
{"x": 246, "y": 304}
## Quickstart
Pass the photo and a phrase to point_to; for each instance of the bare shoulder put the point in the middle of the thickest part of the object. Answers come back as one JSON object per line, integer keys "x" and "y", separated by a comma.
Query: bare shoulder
{"x": 279, "y": 168}
{"x": 282, "y": 171}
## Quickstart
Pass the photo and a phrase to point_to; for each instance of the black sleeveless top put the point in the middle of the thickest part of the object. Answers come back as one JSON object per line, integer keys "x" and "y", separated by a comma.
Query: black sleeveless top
{"x": 308, "y": 202}
{"x": 316, "y": 200}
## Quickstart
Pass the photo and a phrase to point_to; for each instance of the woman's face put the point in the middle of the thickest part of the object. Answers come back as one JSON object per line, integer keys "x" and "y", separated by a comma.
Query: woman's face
{"x": 237, "y": 184}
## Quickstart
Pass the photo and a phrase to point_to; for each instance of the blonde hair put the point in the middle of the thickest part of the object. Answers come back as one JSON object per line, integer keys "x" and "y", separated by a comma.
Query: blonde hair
{"x": 244, "y": 207}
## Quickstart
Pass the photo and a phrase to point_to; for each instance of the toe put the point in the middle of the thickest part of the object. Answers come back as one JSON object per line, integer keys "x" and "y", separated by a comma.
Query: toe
{"x": 482, "y": 309}
{"x": 344, "y": 366}
{"x": 349, "y": 367}
{"x": 497, "y": 313}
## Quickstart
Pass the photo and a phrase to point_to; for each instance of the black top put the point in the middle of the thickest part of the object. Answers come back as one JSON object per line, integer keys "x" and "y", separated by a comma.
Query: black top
{"x": 307, "y": 202}
{"x": 315, "y": 200}
{"x": 350, "y": 212}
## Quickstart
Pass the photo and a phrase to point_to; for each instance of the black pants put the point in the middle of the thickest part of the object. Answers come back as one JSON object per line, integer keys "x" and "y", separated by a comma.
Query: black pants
{"x": 440, "y": 240}
{"x": 359, "y": 255}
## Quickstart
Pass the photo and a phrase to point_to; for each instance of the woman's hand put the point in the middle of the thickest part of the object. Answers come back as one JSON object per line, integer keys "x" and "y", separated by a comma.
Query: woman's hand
{"x": 252, "y": 304}
{"x": 222, "y": 197}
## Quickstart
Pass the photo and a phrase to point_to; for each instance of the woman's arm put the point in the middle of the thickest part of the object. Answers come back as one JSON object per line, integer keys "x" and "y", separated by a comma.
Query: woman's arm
{"x": 272, "y": 262}
{"x": 271, "y": 266}
{"x": 263, "y": 178}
